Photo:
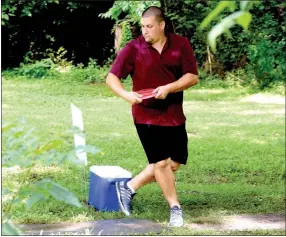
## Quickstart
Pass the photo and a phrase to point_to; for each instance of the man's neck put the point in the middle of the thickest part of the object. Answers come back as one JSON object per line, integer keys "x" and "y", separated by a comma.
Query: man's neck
{"x": 160, "y": 42}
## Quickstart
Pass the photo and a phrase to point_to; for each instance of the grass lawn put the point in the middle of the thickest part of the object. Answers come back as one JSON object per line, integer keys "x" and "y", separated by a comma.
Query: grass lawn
{"x": 236, "y": 151}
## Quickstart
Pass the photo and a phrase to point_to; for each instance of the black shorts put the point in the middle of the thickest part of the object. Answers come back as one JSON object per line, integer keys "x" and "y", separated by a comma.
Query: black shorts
{"x": 161, "y": 142}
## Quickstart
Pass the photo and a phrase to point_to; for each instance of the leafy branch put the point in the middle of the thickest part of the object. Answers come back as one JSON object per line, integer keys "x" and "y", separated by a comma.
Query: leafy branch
{"x": 242, "y": 17}
{"x": 22, "y": 148}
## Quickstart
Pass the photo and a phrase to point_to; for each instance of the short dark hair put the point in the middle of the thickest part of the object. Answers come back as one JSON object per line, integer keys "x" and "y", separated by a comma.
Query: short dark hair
{"x": 160, "y": 16}
{"x": 154, "y": 11}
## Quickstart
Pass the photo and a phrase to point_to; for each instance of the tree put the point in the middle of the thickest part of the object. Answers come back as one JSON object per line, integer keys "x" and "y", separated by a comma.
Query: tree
{"x": 127, "y": 16}
{"x": 25, "y": 8}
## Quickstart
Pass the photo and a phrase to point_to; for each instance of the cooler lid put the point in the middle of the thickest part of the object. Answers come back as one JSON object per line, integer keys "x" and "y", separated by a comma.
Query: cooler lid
{"x": 110, "y": 171}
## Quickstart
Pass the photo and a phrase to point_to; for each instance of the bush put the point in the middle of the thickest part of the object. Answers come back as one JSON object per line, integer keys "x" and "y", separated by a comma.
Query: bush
{"x": 267, "y": 69}
{"x": 39, "y": 69}
{"x": 241, "y": 78}
{"x": 207, "y": 80}
{"x": 233, "y": 79}
{"x": 91, "y": 74}
{"x": 46, "y": 68}
{"x": 276, "y": 88}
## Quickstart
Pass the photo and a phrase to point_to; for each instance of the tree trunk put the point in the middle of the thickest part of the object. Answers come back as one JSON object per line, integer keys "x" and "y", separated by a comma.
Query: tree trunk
{"x": 209, "y": 58}
{"x": 117, "y": 38}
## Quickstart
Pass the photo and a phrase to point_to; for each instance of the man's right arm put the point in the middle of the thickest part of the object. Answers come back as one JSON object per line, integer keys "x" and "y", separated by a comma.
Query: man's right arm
{"x": 114, "y": 83}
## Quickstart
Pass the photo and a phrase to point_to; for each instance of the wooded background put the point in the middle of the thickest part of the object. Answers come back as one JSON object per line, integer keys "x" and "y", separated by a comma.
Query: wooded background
{"x": 36, "y": 29}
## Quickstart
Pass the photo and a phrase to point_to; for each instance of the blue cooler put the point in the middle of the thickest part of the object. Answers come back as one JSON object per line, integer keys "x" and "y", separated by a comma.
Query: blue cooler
{"x": 102, "y": 191}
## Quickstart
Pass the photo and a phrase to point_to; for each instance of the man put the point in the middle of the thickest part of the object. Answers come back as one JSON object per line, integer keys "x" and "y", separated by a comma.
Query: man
{"x": 165, "y": 62}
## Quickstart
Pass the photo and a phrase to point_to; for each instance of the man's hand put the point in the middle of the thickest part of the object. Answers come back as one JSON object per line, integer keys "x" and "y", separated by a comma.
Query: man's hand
{"x": 132, "y": 97}
{"x": 162, "y": 92}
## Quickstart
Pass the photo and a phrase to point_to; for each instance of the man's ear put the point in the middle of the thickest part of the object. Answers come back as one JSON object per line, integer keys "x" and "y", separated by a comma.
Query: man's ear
{"x": 162, "y": 25}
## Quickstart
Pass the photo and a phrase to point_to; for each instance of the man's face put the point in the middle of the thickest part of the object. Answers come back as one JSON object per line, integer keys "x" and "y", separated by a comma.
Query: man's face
{"x": 152, "y": 30}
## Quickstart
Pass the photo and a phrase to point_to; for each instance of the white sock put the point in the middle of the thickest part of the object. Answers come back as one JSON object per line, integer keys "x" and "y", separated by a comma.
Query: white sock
{"x": 132, "y": 189}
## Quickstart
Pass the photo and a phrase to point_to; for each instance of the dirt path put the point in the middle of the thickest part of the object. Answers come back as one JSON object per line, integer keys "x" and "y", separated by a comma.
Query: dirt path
{"x": 131, "y": 226}
{"x": 245, "y": 222}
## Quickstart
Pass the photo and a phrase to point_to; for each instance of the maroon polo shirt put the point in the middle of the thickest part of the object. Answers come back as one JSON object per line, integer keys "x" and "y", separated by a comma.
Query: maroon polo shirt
{"x": 150, "y": 69}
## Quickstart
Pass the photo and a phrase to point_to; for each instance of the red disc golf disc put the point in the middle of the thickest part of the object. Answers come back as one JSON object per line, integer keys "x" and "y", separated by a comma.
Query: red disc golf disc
{"x": 146, "y": 93}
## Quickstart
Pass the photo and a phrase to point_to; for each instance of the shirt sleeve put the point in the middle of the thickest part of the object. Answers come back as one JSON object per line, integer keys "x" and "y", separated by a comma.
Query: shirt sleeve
{"x": 123, "y": 64}
{"x": 189, "y": 63}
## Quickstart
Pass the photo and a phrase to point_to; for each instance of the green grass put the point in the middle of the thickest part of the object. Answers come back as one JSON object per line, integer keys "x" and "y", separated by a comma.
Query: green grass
{"x": 236, "y": 151}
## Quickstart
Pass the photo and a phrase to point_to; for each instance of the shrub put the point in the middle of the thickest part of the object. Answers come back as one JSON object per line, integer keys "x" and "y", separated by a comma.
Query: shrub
{"x": 233, "y": 79}
{"x": 22, "y": 148}
{"x": 267, "y": 60}
{"x": 39, "y": 69}
{"x": 207, "y": 80}
{"x": 91, "y": 74}
{"x": 59, "y": 57}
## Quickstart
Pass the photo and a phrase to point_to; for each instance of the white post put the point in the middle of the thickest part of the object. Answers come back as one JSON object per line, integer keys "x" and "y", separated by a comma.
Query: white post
{"x": 78, "y": 140}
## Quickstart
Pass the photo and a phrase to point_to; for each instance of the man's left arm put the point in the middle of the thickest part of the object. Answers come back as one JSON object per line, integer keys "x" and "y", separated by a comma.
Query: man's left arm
{"x": 186, "y": 81}
{"x": 189, "y": 71}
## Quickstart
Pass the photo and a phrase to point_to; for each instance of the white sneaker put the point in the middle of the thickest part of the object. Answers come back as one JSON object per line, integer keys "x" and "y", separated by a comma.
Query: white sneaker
{"x": 125, "y": 196}
{"x": 176, "y": 217}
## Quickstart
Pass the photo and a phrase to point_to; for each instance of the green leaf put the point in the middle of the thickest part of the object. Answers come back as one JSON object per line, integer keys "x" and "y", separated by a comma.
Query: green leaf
{"x": 218, "y": 29}
{"x": 26, "y": 12}
{"x": 88, "y": 148}
{"x": 228, "y": 33}
{"x": 10, "y": 229}
{"x": 53, "y": 1}
{"x": 115, "y": 13}
{"x": 5, "y": 16}
{"x": 5, "y": 191}
{"x": 51, "y": 145}
{"x": 35, "y": 197}
{"x": 247, "y": 6}
{"x": 244, "y": 20}
{"x": 7, "y": 127}
{"x": 12, "y": 9}
{"x": 19, "y": 134}
{"x": 224, "y": 26}
{"x": 16, "y": 201}
{"x": 125, "y": 6}
{"x": 60, "y": 193}
{"x": 71, "y": 156}
{"x": 24, "y": 192}
{"x": 231, "y": 6}
{"x": 77, "y": 130}
{"x": 219, "y": 8}
{"x": 243, "y": 5}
